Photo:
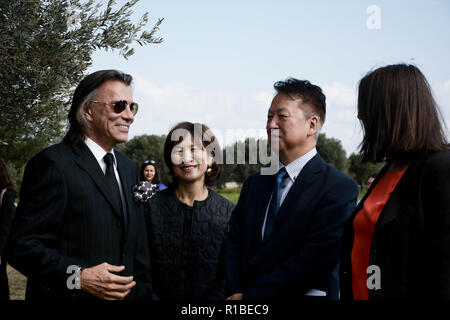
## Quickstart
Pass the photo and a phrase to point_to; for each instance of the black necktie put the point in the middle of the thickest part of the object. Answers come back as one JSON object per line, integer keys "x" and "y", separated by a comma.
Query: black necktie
{"x": 274, "y": 202}
{"x": 112, "y": 181}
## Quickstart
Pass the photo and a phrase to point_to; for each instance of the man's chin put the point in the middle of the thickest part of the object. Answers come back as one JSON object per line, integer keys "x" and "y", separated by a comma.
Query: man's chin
{"x": 122, "y": 139}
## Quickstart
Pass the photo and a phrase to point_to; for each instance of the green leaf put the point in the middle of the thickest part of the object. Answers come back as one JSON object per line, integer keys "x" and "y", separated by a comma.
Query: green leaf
{"x": 42, "y": 63}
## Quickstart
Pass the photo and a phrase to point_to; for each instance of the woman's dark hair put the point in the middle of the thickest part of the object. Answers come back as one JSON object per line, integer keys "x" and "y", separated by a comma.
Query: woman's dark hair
{"x": 85, "y": 91}
{"x": 197, "y": 130}
{"x": 399, "y": 116}
{"x": 146, "y": 163}
{"x": 308, "y": 92}
{"x": 5, "y": 177}
{"x": 373, "y": 175}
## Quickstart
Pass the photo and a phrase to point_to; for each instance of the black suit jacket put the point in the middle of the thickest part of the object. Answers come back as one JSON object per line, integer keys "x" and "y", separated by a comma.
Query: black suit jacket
{"x": 411, "y": 241}
{"x": 66, "y": 217}
{"x": 303, "y": 249}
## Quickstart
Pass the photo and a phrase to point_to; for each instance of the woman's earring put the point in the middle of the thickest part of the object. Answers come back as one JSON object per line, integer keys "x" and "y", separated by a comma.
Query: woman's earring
{"x": 209, "y": 171}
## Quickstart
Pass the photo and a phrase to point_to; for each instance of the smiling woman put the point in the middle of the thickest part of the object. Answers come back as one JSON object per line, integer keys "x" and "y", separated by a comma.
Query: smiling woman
{"x": 190, "y": 153}
{"x": 187, "y": 222}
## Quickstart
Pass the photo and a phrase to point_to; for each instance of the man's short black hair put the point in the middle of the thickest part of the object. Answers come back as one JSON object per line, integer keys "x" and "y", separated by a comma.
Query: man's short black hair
{"x": 307, "y": 92}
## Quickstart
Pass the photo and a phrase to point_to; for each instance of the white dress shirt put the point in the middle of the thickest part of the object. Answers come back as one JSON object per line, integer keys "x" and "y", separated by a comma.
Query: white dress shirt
{"x": 293, "y": 170}
{"x": 99, "y": 153}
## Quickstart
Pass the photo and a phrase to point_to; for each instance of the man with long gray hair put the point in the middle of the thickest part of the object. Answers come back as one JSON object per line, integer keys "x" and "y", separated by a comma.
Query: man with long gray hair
{"x": 77, "y": 233}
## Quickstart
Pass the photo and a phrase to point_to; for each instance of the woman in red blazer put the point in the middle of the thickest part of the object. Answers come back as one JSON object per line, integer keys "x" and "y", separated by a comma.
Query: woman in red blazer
{"x": 397, "y": 241}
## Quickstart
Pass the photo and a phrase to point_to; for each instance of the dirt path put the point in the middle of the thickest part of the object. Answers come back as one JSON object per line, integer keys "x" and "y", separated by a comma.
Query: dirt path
{"x": 17, "y": 284}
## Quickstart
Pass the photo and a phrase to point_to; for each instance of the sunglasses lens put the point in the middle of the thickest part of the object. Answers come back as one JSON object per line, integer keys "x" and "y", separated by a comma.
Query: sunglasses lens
{"x": 119, "y": 106}
{"x": 134, "y": 108}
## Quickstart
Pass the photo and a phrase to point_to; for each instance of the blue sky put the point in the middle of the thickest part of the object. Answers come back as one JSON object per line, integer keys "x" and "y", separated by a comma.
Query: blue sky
{"x": 219, "y": 59}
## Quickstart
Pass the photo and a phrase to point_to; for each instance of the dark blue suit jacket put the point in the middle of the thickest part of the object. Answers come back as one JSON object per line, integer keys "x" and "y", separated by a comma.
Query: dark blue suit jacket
{"x": 304, "y": 248}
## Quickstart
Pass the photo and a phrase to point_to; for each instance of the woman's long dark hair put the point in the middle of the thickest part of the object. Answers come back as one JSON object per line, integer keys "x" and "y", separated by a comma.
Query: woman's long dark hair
{"x": 398, "y": 113}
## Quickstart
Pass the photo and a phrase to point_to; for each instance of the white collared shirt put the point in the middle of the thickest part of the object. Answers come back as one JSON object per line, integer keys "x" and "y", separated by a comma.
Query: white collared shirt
{"x": 293, "y": 169}
{"x": 99, "y": 153}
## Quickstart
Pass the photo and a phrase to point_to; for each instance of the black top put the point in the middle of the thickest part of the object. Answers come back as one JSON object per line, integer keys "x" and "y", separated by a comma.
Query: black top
{"x": 7, "y": 211}
{"x": 186, "y": 245}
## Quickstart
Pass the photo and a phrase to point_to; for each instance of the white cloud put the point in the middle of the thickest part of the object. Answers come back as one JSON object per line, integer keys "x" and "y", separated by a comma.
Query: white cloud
{"x": 162, "y": 105}
{"x": 264, "y": 97}
{"x": 447, "y": 84}
{"x": 339, "y": 93}
{"x": 341, "y": 120}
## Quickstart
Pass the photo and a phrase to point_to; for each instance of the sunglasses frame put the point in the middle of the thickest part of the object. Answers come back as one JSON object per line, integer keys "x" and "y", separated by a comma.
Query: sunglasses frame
{"x": 134, "y": 106}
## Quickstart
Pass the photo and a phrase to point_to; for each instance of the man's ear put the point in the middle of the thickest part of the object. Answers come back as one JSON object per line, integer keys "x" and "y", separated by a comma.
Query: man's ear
{"x": 313, "y": 125}
{"x": 87, "y": 111}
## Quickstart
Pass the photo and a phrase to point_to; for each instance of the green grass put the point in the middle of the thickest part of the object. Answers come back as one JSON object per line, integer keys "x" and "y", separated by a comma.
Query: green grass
{"x": 233, "y": 194}
{"x": 230, "y": 194}
{"x": 361, "y": 193}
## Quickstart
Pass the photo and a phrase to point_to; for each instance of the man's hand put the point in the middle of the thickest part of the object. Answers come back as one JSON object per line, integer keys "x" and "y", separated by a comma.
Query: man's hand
{"x": 100, "y": 282}
{"x": 236, "y": 296}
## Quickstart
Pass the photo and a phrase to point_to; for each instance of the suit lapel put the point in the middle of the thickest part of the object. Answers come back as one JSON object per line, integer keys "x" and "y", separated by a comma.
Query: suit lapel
{"x": 393, "y": 208}
{"x": 88, "y": 163}
{"x": 307, "y": 176}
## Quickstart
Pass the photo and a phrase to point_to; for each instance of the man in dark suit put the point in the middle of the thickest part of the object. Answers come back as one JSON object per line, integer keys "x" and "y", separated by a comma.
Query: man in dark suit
{"x": 77, "y": 233}
{"x": 285, "y": 232}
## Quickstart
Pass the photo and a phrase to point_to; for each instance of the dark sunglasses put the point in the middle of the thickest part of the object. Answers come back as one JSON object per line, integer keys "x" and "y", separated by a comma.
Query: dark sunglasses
{"x": 149, "y": 161}
{"x": 121, "y": 105}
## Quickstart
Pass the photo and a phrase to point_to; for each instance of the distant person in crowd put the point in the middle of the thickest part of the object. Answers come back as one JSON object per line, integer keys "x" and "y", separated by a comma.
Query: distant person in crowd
{"x": 285, "y": 232}
{"x": 397, "y": 241}
{"x": 77, "y": 232}
{"x": 150, "y": 173}
{"x": 187, "y": 222}
{"x": 7, "y": 209}
{"x": 371, "y": 179}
